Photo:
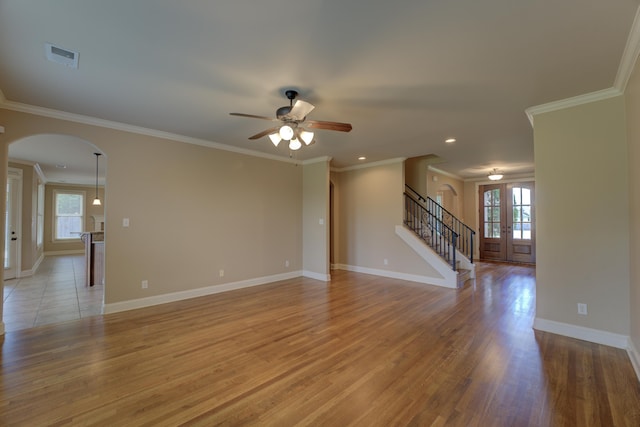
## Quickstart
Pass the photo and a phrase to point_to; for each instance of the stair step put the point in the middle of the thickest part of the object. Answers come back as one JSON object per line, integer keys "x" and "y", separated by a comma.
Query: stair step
{"x": 463, "y": 276}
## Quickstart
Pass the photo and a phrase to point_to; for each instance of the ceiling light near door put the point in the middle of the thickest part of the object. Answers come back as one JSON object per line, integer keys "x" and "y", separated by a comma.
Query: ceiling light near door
{"x": 495, "y": 175}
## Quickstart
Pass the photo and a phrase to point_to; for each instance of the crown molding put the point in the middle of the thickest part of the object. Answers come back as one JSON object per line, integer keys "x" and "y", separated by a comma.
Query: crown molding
{"x": 108, "y": 124}
{"x": 40, "y": 173}
{"x": 445, "y": 173}
{"x": 370, "y": 165}
{"x": 625, "y": 69}
{"x": 316, "y": 160}
{"x": 526, "y": 177}
{"x": 629, "y": 55}
{"x": 571, "y": 102}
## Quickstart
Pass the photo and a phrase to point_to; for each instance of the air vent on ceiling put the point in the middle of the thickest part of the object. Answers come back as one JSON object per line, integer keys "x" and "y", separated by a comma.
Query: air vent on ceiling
{"x": 61, "y": 56}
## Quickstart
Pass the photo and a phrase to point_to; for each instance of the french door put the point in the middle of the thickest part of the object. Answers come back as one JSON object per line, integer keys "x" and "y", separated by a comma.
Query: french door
{"x": 507, "y": 213}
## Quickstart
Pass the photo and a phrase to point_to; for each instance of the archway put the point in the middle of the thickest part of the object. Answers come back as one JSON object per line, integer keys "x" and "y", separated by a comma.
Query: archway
{"x": 447, "y": 197}
{"x": 54, "y": 165}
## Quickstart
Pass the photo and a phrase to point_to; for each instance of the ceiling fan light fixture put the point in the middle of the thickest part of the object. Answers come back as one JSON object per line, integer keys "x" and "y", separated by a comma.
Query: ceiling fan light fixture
{"x": 495, "y": 175}
{"x": 294, "y": 144}
{"x": 306, "y": 136}
{"x": 275, "y": 138}
{"x": 286, "y": 132}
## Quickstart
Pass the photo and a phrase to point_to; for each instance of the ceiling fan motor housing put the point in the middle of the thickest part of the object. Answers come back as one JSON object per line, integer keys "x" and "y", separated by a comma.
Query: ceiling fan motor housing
{"x": 283, "y": 111}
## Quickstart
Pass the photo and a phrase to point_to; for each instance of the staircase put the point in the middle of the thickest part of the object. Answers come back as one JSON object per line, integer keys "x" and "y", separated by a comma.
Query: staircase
{"x": 463, "y": 275}
{"x": 445, "y": 234}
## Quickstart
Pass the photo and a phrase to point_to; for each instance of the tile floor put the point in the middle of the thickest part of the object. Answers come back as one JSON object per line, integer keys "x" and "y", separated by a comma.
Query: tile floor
{"x": 56, "y": 293}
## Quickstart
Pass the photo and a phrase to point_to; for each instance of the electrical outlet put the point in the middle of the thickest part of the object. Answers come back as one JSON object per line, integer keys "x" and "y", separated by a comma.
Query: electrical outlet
{"x": 286, "y": 263}
{"x": 582, "y": 309}
{"x": 386, "y": 261}
{"x": 145, "y": 284}
{"x": 221, "y": 273}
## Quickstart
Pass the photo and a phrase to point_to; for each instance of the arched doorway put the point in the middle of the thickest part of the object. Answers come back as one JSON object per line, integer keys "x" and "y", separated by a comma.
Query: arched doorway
{"x": 447, "y": 197}
{"x": 58, "y": 189}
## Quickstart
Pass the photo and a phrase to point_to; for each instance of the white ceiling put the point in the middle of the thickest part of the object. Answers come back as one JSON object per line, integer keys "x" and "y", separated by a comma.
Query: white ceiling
{"x": 406, "y": 74}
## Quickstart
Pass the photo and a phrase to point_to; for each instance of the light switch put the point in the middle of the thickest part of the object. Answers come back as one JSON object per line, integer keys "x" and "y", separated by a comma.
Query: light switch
{"x": 321, "y": 221}
{"x": 125, "y": 222}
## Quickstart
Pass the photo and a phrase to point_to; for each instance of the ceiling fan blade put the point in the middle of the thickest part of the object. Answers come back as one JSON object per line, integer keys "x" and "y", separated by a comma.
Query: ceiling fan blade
{"x": 253, "y": 116}
{"x": 300, "y": 110}
{"x": 340, "y": 127}
{"x": 264, "y": 133}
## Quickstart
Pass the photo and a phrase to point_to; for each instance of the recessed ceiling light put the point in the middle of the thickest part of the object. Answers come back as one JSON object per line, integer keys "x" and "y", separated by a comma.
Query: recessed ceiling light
{"x": 61, "y": 166}
{"x": 450, "y": 140}
{"x": 362, "y": 158}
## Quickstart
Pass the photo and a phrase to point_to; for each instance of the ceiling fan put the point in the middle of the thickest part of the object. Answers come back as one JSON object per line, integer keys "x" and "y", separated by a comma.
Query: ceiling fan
{"x": 291, "y": 118}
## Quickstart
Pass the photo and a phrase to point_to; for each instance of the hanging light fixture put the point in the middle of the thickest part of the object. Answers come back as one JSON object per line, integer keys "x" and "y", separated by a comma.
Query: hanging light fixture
{"x": 96, "y": 201}
{"x": 275, "y": 138}
{"x": 305, "y": 136}
{"x": 294, "y": 144}
{"x": 286, "y": 132}
{"x": 495, "y": 175}
{"x": 295, "y": 135}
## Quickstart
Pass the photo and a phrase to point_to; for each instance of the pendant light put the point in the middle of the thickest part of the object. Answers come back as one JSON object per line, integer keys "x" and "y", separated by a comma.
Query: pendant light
{"x": 96, "y": 201}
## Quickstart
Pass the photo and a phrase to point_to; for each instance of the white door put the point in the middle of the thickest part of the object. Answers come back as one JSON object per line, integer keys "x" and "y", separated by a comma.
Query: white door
{"x": 12, "y": 224}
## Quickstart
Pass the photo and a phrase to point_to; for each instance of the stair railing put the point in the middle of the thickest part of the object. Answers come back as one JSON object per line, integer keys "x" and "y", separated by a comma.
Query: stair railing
{"x": 438, "y": 235}
{"x": 466, "y": 234}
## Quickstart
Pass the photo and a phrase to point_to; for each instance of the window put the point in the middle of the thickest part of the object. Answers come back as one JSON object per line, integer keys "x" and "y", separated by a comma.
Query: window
{"x": 492, "y": 214}
{"x": 521, "y": 213}
{"x": 69, "y": 214}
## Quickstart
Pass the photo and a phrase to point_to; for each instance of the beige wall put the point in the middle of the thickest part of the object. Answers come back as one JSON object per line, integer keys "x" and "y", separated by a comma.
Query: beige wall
{"x": 415, "y": 174}
{"x": 193, "y": 210}
{"x": 315, "y": 197}
{"x": 371, "y": 205}
{"x": 50, "y": 244}
{"x": 4, "y": 169}
{"x": 583, "y": 215}
{"x": 632, "y": 97}
{"x": 335, "y": 226}
{"x": 471, "y": 215}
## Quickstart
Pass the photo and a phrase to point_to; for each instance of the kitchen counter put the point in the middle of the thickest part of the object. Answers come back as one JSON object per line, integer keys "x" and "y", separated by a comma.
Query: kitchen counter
{"x": 94, "y": 256}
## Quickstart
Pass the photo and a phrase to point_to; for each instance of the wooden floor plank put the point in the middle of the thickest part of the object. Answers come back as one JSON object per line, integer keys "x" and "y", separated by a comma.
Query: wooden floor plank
{"x": 360, "y": 350}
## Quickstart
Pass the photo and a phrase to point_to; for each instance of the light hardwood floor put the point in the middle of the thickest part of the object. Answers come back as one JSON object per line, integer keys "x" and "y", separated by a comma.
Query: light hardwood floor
{"x": 361, "y": 350}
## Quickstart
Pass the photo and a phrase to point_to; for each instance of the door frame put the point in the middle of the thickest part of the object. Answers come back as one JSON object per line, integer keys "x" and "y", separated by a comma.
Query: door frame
{"x": 15, "y": 174}
{"x": 476, "y": 203}
{"x": 513, "y": 244}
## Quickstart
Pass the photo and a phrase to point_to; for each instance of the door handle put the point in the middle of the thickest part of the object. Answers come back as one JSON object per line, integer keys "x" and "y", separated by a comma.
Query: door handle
{"x": 14, "y": 238}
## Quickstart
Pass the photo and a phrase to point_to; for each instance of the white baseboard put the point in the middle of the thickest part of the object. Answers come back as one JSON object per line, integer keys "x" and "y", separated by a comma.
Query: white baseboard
{"x": 32, "y": 271}
{"x": 317, "y": 276}
{"x": 194, "y": 293}
{"x": 397, "y": 275}
{"x": 634, "y": 355}
{"x": 586, "y": 334}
